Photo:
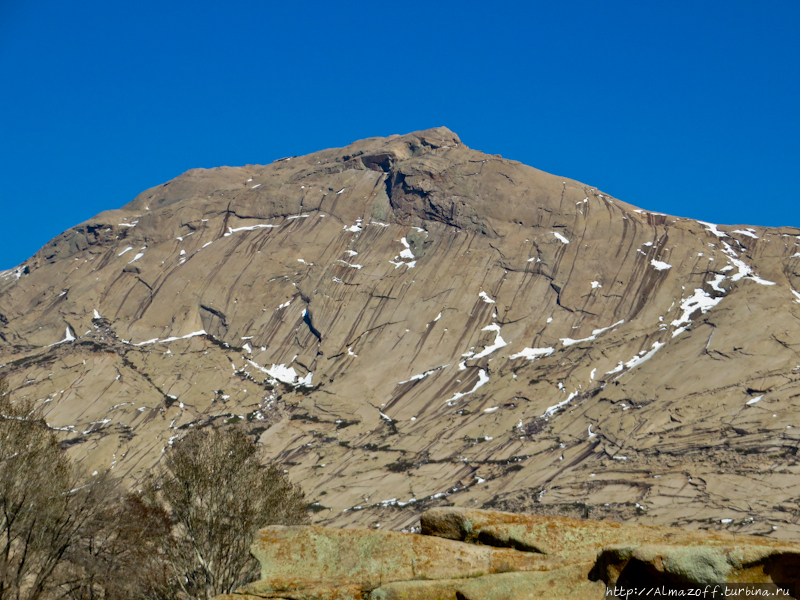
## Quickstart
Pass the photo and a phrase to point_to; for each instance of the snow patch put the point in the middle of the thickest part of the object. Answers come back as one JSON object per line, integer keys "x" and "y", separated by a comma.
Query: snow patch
{"x": 405, "y": 255}
{"x": 232, "y": 230}
{"x": 284, "y": 374}
{"x": 351, "y": 265}
{"x": 533, "y": 353}
{"x": 499, "y": 342}
{"x": 711, "y": 228}
{"x": 172, "y": 339}
{"x": 660, "y": 265}
{"x": 714, "y": 283}
{"x": 560, "y": 237}
{"x": 700, "y": 299}
{"x": 68, "y": 337}
{"x": 638, "y": 360}
{"x": 483, "y": 378}
{"x": 552, "y": 410}
{"x": 616, "y": 369}
{"x": 354, "y": 228}
{"x": 423, "y": 375}
{"x": 591, "y": 338}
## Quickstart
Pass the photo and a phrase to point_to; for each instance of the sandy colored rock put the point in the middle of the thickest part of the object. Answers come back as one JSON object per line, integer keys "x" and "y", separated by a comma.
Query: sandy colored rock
{"x": 301, "y": 592}
{"x": 443, "y": 589}
{"x": 301, "y": 557}
{"x": 408, "y": 322}
{"x": 698, "y": 564}
{"x": 568, "y": 582}
{"x": 238, "y": 596}
{"x": 586, "y": 559}
{"x": 576, "y": 539}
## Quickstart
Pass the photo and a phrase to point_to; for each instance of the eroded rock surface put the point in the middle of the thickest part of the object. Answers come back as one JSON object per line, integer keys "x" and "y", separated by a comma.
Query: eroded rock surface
{"x": 407, "y": 322}
{"x": 585, "y": 560}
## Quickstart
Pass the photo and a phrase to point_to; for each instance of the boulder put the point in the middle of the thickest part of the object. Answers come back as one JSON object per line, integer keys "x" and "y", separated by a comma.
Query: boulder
{"x": 570, "y": 539}
{"x": 677, "y": 565}
{"x": 567, "y": 582}
{"x": 299, "y": 557}
{"x": 466, "y": 554}
{"x": 299, "y": 590}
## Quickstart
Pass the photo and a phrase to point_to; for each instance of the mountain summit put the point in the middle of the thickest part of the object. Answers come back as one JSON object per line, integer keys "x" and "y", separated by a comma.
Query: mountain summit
{"x": 407, "y": 322}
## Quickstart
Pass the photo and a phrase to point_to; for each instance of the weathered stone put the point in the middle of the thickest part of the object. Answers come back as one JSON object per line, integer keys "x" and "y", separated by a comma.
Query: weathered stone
{"x": 238, "y": 596}
{"x": 568, "y": 582}
{"x": 570, "y": 539}
{"x": 442, "y": 589}
{"x": 297, "y": 588}
{"x": 318, "y": 563}
{"x": 745, "y": 562}
{"x": 300, "y": 557}
{"x": 298, "y": 591}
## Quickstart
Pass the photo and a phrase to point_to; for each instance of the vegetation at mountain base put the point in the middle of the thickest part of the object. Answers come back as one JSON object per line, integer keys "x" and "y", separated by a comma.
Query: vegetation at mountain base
{"x": 219, "y": 493}
{"x": 66, "y": 534}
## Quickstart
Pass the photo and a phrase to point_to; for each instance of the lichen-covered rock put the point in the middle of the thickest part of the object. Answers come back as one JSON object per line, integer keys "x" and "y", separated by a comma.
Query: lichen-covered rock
{"x": 238, "y": 596}
{"x": 743, "y": 562}
{"x": 299, "y": 590}
{"x": 442, "y": 589}
{"x": 568, "y": 582}
{"x": 571, "y": 539}
{"x": 300, "y": 557}
{"x": 485, "y": 555}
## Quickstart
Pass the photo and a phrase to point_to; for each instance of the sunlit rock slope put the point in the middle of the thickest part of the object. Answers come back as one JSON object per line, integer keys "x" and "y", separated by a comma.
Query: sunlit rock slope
{"x": 406, "y": 322}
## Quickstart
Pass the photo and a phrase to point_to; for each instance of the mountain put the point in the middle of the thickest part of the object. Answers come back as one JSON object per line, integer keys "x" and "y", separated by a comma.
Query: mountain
{"x": 407, "y": 322}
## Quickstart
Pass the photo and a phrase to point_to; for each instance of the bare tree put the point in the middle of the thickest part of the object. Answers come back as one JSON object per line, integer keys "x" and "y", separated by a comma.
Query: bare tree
{"x": 219, "y": 493}
{"x": 119, "y": 556}
{"x": 43, "y": 507}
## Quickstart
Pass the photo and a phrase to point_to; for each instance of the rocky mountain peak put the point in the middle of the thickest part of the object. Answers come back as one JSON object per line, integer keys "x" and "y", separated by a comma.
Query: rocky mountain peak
{"x": 406, "y": 322}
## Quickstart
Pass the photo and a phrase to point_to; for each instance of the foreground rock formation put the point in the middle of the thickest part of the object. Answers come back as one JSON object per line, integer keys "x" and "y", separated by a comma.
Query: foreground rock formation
{"x": 466, "y": 554}
{"x": 406, "y": 321}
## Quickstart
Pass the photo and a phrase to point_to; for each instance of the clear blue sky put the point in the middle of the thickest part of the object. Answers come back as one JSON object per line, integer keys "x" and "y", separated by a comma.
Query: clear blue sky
{"x": 691, "y": 108}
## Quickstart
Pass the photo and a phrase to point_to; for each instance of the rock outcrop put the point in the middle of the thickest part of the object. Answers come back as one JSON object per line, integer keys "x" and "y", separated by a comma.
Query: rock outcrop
{"x": 406, "y": 322}
{"x": 467, "y": 554}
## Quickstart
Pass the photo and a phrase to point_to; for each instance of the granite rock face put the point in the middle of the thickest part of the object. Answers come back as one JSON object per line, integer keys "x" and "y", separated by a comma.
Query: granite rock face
{"x": 585, "y": 560}
{"x": 407, "y": 322}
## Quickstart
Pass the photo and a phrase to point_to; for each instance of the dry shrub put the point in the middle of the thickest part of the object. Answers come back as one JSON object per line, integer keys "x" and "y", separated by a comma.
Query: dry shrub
{"x": 45, "y": 506}
{"x": 187, "y": 536}
{"x": 219, "y": 493}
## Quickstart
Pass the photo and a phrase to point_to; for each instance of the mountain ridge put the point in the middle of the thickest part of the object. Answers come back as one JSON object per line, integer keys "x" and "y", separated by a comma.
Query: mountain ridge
{"x": 405, "y": 317}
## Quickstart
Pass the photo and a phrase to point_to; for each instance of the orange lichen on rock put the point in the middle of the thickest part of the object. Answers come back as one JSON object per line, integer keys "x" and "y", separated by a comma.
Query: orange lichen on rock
{"x": 466, "y": 554}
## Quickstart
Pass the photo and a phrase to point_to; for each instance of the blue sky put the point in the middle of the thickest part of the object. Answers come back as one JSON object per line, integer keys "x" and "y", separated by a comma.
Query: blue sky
{"x": 689, "y": 108}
